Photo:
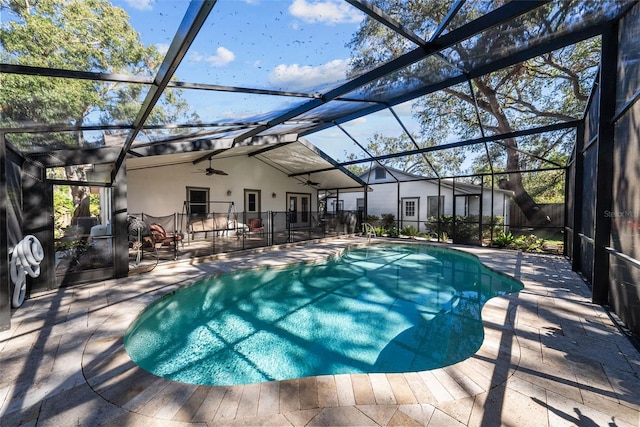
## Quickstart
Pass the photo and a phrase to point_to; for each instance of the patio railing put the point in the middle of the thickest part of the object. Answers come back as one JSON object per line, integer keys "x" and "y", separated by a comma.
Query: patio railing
{"x": 216, "y": 233}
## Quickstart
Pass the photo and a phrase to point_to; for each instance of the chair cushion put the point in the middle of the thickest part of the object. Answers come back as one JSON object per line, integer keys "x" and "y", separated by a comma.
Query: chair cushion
{"x": 159, "y": 233}
{"x": 255, "y": 223}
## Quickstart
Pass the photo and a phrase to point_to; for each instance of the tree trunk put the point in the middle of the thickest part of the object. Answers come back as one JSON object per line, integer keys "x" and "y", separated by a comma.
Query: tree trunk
{"x": 522, "y": 198}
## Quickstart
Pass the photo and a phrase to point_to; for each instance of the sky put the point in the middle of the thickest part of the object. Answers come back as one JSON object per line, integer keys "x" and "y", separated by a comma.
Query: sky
{"x": 288, "y": 45}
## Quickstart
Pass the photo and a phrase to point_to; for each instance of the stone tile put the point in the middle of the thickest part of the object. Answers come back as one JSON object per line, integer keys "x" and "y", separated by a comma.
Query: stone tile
{"x": 23, "y": 395}
{"x": 467, "y": 386}
{"x": 345, "y": 390}
{"x": 190, "y": 407}
{"x": 436, "y": 388}
{"x": 566, "y": 412}
{"x": 526, "y": 388}
{"x": 289, "y": 396}
{"x": 459, "y": 409}
{"x": 228, "y": 408}
{"x": 76, "y": 407}
{"x": 561, "y": 381}
{"x": 327, "y": 391}
{"x": 341, "y": 416}
{"x": 440, "y": 419}
{"x": 625, "y": 384}
{"x": 362, "y": 391}
{"x": 567, "y": 355}
{"x": 382, "y": 389}
{"x": 420, "y": 413}
{"x": 273, "y": 420}
{"x": 17, "y": 366}
{"x": 269, "y": 403}
{"x": 161, "y": 405}
{"x": 380, "y": 414}
{"x": 146, "y": 395}
{"x": 401, "y": 419}
{"x": 210, "y": 405}
{"x": 175, "y": 396}
{"x": 308, "y": 393}
{"x": 503, "y": 406}
{"x": 248, "y": 406}
{"x": 302, "y": 418}
{"x": 126, "y": 386}
{"x": 607, "y": 405}
{"x": 25, "y": 416}
{"x": 485, "y": 368}
{"x": 419, "y": 388}
{"x": 401, "y": 389}
{"x": 131, "y": 419}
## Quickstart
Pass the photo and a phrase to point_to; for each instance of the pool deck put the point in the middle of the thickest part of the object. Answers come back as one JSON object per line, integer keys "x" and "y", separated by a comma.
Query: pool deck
{"x": 549, "y": 358}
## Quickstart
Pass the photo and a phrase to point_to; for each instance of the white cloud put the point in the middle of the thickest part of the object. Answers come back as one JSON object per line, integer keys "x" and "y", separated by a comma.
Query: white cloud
{"x": 163, "y": 48}
{"x": 222, "y": 57}
{"x": 328, "y": 12}
{"x": 140, "y": 4}
{"x": 296, "y": 77}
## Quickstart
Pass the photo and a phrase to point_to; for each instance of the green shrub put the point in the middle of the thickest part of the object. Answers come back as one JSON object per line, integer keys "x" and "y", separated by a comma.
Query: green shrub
{"x": 526, "y": 243}
{"x": 410, "y": 230}
{"x": 388, "y": 221}
{"x": 529, "y": 243}
{"x": 503, "y": 240}
{"x": 466, "y": 227}
{"x": 372, "y": 219}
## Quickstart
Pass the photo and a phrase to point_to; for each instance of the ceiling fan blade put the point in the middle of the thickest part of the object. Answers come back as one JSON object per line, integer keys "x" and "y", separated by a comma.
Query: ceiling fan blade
{"x": 219, "y": 172}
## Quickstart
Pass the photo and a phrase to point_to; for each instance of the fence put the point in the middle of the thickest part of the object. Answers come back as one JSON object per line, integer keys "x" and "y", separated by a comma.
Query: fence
{"x": 555, "y": 212}
{"x": 188, "y": 236}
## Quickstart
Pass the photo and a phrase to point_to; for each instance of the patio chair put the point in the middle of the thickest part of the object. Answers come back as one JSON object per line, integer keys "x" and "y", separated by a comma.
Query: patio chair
{"x": 162, "y": 238}
{"x": 256, "y": 226}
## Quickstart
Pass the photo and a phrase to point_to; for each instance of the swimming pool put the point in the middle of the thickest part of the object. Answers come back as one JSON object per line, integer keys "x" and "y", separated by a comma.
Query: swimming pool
{"x": 380, "y": 308}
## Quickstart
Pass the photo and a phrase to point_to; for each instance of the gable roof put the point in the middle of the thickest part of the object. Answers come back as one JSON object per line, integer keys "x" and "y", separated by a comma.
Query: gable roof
{"x": 394, "y": 175}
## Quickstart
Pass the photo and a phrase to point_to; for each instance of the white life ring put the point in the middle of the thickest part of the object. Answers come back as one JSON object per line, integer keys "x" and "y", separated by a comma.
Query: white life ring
{"x": 25, "y": 259}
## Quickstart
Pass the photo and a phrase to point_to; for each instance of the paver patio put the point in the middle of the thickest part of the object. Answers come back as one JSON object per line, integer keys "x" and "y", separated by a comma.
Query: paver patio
{"x": 549, "y": 358}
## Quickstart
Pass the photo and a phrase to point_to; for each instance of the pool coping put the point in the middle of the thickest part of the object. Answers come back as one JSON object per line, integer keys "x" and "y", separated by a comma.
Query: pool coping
{"x": 520, "y": 375}
{"x": 95, "y": 376}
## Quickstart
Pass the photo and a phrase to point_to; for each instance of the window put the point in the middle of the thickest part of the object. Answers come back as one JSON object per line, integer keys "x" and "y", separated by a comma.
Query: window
{"x": 433, "y": 207}
{"x": 252, "y": 200}
{"x": 410, "y": 208}
{"x": 381, "y": 173}
{"x": 197, "y": 201}
{"x": 360, "y": 204}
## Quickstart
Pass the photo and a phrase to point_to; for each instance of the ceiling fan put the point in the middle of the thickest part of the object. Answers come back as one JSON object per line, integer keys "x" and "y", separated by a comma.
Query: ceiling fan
{"x": 309, "y": 182}
{"x": 211, "y": 171}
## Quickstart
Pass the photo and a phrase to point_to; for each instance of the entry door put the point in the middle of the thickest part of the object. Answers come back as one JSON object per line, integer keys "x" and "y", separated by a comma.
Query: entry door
{"x": 299, "y": 209}
{"x": 410, "y": 212}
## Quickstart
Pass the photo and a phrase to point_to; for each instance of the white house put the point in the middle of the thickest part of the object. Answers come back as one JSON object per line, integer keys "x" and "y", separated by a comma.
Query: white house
{"x": 412, "y": 198}
{"x": 243, "y": 180}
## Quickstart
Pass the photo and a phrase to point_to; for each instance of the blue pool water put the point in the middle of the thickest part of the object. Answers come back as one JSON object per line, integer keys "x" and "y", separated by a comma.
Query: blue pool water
{"x": 383, "y": 308}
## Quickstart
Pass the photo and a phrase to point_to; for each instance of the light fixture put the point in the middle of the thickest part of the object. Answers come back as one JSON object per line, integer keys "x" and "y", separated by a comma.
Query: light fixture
{"x": 228, "y": 192}
{"x": 273, "y": 195}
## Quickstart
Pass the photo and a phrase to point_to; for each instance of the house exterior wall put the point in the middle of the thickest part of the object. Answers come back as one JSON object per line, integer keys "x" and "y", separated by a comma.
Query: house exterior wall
{"x": 160, "y": 191}
{"x": 384, "y": 200}
{"x": 501, "y": 204}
